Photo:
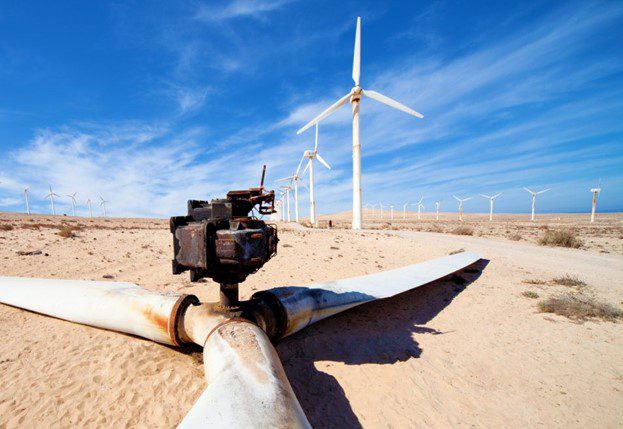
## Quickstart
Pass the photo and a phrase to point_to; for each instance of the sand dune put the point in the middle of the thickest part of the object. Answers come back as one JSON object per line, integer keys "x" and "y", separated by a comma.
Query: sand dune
{"x": 467, "y": 351}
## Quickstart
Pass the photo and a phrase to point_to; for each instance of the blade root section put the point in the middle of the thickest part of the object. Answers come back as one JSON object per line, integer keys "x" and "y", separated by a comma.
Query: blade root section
{"x": 117, "y": 306}
{"x": 302, "y": 306}
{"x": 247, "y": 386}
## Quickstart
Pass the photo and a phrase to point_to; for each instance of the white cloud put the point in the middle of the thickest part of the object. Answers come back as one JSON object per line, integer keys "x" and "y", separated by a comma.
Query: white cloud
{"x": 239, "y": 8}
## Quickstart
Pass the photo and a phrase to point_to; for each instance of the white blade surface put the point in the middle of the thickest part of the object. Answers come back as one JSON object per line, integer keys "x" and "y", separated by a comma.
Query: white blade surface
{"x": 496, "y": 195}
{"x": 284, "y": 179}
{"x": 247, "y": 386}
{"x": 118, "y": 306}
{"x": 322, "y": 161}
{"x": 528, "y": 190}
{"x": 309, "y": 304}
{"x": 339, "y": 103}
{"x": 357, "y": 53}
{"x": 306, "y": 167}
{"x": 299, "y": 166}
{"x": 544, "y": 190}
{"x": 485, "y": 196}
{"x": 391, "y": 102}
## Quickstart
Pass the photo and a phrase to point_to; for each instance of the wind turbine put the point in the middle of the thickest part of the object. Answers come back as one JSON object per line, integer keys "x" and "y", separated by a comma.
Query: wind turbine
{"x": 534, "y": 194}
{"x": 103, "y": 204}
{"x": 461, "y": 201}
{"x": 90, "y": 210}
{"x": 595, "y": 191}
{"x": 491, "y": 203}
{"x": 73, "y": 203}
{"x": 51, "y": 196}
{"x": 311, "y": 155}
{"x": 391, "y": 210}
{"x": 354, "y": 96}
{"x": 436, "y": 210}
{"x": 381, "y": 205}
{"x": 404, "y": 210}
{"x": 420, "y": 206}
{"x": 287, "y": 188}
{"x": 26, "y": 198}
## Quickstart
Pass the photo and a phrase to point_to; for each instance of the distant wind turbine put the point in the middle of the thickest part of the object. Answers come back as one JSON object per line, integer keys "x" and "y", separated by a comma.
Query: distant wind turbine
{"x": 287, "y": 188}
{"x": 311, "y": 155}
{"x": 391, "y": 208}
{"x": 491, "y": 203}
{"x": 103, "y": 204}
{"x": 436, "y": 210}
{"x": 51, "y": 196}
{"x": 89, "y": 205}
{"x": 381, "y": 212}
{"x": 534, "y": 194}
{"x": 354, "y": 96}
{"x": 461, "y": 201}
{"x": 404, "y": 210}
{"x": 73, "y": 203}
{"x": 26, "y": 198}
{"x": 420, "y": 206}
{"x": 595, "y": 191}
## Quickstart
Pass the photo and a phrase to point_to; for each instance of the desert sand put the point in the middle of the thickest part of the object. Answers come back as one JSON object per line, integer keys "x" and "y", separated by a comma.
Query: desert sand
{"x": 466, "y": 351}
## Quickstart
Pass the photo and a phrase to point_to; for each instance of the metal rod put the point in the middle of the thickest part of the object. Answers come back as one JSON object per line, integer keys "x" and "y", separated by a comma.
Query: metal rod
{"x": 229, "y": 295}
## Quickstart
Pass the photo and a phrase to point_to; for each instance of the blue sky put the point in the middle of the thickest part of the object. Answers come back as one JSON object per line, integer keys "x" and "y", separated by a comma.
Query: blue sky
{"x": 152, "y": 103}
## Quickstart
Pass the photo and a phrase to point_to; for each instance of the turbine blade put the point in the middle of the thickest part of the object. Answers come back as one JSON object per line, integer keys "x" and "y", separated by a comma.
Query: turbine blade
{"x": 306, "y": 167}
{"x": 485, "y": 196}
{"x": 316, "y": 141}
{"x": 247, "y": 384}
{"x": 456, "y": 198}
{"x": 544, "y": 190}
{"x": 339, "y": 103}
{"x": 117, "y": 306}
{"x": 322, "y": 161}
{"x": 391, "y": 102}
{"x": 284, "y": 179}
{"x": 357, "y": 53}
{"x": 528, "y": 190}
{"x": 299, "y": 166}
{"x": 496, "y": 195}
{"x": 306, "y": 305}
{"x": 467, "y": 199}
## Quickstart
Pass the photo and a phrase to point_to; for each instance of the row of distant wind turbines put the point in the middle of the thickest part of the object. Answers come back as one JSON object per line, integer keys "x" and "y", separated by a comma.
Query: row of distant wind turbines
{"x": 51, "y": 196}
{"x": 284, "y": 212}
{"x": 354, "y": 97}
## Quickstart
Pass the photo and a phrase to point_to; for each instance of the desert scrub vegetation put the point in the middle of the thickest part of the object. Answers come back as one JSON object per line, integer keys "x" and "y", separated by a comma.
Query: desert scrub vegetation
{"x": 530, "y": 294}
{"x": 6, "y": 227}
{"x": 534, "y": 282}
{"x": 561, "y": 238}
{"x": 462, "y": 230}
{"x": 67, "y": 231}
{"x": 569, "y": 281}
{"x": 580, "y": 308}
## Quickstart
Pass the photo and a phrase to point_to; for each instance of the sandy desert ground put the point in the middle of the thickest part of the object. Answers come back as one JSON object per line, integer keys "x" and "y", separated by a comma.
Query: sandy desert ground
{"x": 471, "y": 350}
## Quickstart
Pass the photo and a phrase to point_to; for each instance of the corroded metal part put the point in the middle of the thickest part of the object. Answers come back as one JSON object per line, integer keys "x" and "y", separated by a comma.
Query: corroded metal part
{"x": 299, "y": 306}
{"x": 247, "y": 386}
{"x": 122, "y": 307}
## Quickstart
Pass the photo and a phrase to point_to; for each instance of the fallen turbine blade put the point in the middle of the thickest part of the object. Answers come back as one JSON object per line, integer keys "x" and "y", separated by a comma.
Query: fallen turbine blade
{"x": 391, "y": 102}
{"x": 339, "y": 103}
{"x": 117, "y": 306}
{"x": 357, "y": 53}
{"x": 247, "y": 386}
{"x": 322, "y": 161}
{"x": 306, "y": 305}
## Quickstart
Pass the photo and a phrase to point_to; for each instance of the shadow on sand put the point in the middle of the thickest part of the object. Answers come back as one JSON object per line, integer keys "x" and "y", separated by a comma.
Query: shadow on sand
{"x": 379, "y": 332}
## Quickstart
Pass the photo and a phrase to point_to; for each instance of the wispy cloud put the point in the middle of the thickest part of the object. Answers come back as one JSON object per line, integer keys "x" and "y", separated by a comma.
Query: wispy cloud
{"x": 238, "y": 9}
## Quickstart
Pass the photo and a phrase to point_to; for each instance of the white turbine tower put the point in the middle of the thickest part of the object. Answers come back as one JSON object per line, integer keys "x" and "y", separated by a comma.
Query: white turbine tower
{"x": 420, "y": 206}
{"x": 51, "y": 196}
{"x": 103, "y": 205}
{"x": 73, "y": 203}
{"x": 90, "y": 209}
{"x": 404, "y": 210}
{"x": 311, "y": 155}
{"x": 595, "y": 191}
{"x": 354, "y": 96}
{"x": 534, "y": 194}
{"x": 491, "y": 203}
{"x": 26, "y": 198}
{"x": 391, "y": 211}
{"x": 287, "y": 188}
{"x": 461, "y": 201}
{"x": 436, "y": 210}
{"x": 381, "y": 213}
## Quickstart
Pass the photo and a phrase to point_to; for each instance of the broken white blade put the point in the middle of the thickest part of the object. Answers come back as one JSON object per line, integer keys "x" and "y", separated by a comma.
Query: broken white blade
{"x": 322, "y": 161}
{"x": 391, "y": 102}
{"x": 339, "y": 103}
{"x": 118, "y": 306}
{"x": 357, "y": 53}
{"x": 247, "y": 386}
{"x": 306, "y": 305}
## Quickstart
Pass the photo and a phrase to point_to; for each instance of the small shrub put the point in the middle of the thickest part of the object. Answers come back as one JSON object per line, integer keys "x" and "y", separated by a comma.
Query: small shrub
{"x": 462, "y": 230}
{"x": 561, "y": 238}
{"x": 534, "y": 282}
{"x": 569, "y": 281}
{"x": 6, "y": 227}
{"x": 66, "y": 232}
{"x": 530, "y": 294}
{"x": 515, "y": 237}
{"x": 580, "y": 307}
